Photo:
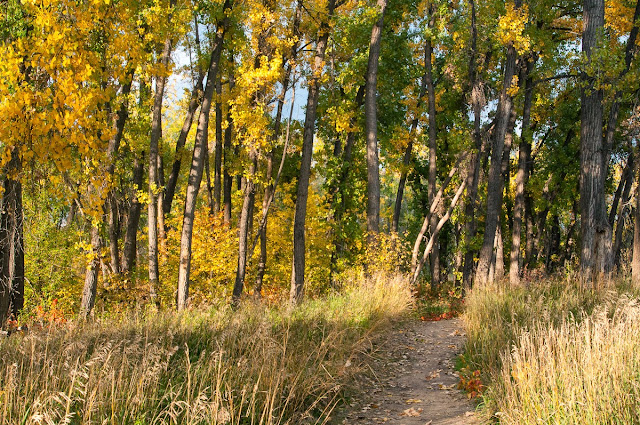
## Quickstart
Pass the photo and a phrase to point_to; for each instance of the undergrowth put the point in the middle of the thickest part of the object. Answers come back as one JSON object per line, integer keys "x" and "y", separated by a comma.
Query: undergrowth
{"x": 257, "y": 365}
{"x": 554, "y": 353}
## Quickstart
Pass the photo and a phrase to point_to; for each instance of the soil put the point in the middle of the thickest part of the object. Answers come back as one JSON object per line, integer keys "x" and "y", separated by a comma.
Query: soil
{"x": 412, "y": 379}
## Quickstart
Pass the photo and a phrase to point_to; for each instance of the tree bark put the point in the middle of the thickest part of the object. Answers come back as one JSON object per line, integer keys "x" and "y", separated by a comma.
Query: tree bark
{"x": 154, "y": 186}
{"x": 11, "y": 244}
{"x": 302, "y": 193}
{"x": 522, "y": 176}
{"x": 473, "y": 169}
{"x": 436, "y": 230}
{"x": 91, "y": 275}
{"x": 626, "y": 197}
{"x": 495, "y": 183}
{"x": 133, "y": 218}
{"x": 197, "y": 162}
{"x": 595, "y": 229}
{"x": 408, "y": 152}
{"x": 243, "y": 233}
{"x": 371, "y": 126}
{"x": 91, "y": 272}
{"x": 635, "y": 262}
{"x": 228, "y": 178}
{"x": 433, "y": 147}
{"x": 217, "y": 160}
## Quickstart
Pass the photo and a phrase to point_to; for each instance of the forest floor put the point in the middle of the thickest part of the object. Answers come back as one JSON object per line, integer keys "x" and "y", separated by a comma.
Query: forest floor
{"x": 412, "y": 379}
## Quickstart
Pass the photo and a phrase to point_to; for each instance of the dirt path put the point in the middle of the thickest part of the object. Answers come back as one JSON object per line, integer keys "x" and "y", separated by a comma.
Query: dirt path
{"x": 415, "y": 380}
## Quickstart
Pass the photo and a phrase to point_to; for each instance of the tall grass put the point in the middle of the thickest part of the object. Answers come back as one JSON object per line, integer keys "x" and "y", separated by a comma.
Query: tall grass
{"x": 257, "y": 365}
{"x": 555, "y": 353}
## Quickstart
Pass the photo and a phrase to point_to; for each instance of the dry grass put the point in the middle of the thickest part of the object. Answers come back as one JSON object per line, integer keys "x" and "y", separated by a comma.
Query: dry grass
{"x": 257, "y": 365}
{"x": 555, "y": 353}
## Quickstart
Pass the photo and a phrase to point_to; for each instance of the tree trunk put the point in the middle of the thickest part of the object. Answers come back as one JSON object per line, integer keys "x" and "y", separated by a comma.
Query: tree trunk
{"x": 11, "y": 244}
{"x": 154, "y": 186}
{"x": 433, "y": 147}
{"x": 371, "y": 126}
{"x": 302, "y": 193}
{"x": 243, "y": 233}
{"x": 499, "y": 255}
{"x": 217, "y": 160}
{"x": 91, "y": 272}
{"x": 595, "y": 229}
{"x": 495, "y": 184}
{"x": 133, "y": 218}
{"x": 436, "y": 230}
{"x": 473, "y": 169}
{"x": 635, "y": 262}
{"x": 522, "y": 176}
{"x": 626, "y": 197}
{"x": 197, "y": 163}
{"x": 114, "y": 232}
{"x": 91, "y": 275}
{"x": 228, "y": 179}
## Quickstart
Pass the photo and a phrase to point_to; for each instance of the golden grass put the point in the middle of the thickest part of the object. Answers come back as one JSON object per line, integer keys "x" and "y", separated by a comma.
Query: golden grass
{"x": 556, "y": 353}
{"x": 257, "y": 365}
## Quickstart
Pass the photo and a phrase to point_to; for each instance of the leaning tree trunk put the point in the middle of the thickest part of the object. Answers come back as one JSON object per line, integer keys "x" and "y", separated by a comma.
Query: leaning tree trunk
{"x": 495, "y": 184}
{"x": 595, "y": 229}
{"x": 197, "y": 163}
{"x": 371, "y": 126}
{"x": 302, "y": 193}
{"x": 91, "y": 272}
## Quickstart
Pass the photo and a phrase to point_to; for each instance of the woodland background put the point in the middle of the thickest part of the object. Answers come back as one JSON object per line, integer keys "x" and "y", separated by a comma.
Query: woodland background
{"x": 457, "y": 141}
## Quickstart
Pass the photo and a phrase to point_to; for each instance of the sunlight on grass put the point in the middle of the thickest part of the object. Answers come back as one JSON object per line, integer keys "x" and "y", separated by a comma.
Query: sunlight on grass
{"x": 555, "y": 353}
{"x": 257, "y": 365}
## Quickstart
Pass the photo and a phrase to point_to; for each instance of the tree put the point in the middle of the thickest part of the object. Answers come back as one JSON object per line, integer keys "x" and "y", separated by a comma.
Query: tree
{"x": 197, "y": 161}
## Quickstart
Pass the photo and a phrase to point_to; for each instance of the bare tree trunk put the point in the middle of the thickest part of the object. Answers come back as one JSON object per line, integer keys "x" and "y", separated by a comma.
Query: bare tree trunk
{"x": 207, "y": 175}
{"x": 371, "y": 126}
{"x": 133, "y": 218}
{"x": 194, "y": 102}
{"x": 197, "y": 163}
{"x": 473, "y": 169}
{"x": 154, "y": 186}
{"x": 635, "y": 262}
{"x": 522, "y": 176}
{"x": 114, "y": 232}
{"x": 495, "y": 184}
{"x": 91, "y": 272}
{"x": 11, "y": 244}
{"x": 302, "y": 194}
{"x": 217, "y": 160}
{"x": 433, "y": 147}
{"x": 436, "y": 230}
{"x": 595, "y": 229}
{"x": 243, "y": 234}
{"x": 91, "y": 275}
{"x": 499, "y": 255}
{"x": 432, "y": 208}
{"x": 624, "y": 210}
{"x": 228, "y": 178}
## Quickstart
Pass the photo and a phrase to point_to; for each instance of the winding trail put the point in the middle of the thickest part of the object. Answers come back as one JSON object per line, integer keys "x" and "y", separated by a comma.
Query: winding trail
{"x": 415, "y": 381}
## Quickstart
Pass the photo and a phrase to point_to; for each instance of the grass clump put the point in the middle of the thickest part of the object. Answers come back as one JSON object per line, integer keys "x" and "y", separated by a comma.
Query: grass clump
{"x": 556, "y": 353}
{"x": 258, "y": 365}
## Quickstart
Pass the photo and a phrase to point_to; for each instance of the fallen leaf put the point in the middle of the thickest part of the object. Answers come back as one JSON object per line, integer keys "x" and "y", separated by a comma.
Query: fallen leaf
{"x": 413, "y": 400}
{"x": 411, "y": 412}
